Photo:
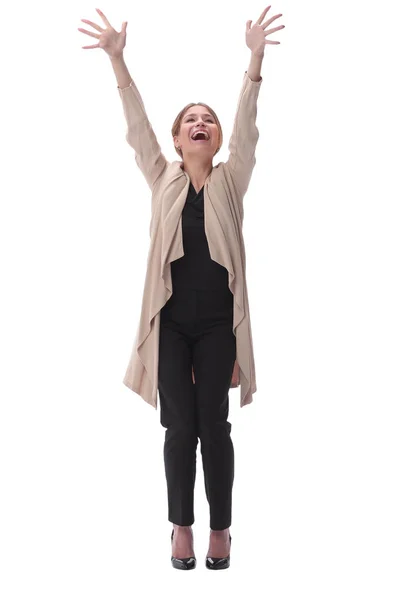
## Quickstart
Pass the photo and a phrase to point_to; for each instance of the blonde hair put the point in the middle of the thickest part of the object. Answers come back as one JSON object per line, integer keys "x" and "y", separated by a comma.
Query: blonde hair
{"x": 177, "y": 124}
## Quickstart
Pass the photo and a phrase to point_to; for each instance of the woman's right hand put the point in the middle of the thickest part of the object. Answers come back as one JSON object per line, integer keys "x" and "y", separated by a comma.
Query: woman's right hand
{"x": 110, "y": 40}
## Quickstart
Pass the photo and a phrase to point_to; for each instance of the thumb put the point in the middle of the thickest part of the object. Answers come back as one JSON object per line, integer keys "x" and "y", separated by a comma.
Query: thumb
{"x": 248, "y": 24}
{"x": 124, "y": 24}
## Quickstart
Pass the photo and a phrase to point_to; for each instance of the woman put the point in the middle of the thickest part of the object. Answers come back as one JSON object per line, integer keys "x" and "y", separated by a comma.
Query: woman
{"x": 194, "y": 338}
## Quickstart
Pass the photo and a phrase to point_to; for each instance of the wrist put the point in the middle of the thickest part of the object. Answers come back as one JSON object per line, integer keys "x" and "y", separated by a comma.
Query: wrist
{"x": 116, "y": 57}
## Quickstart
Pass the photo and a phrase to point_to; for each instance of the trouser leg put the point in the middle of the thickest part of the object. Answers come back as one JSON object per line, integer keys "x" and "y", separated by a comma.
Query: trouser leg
{"x": 178, "y": 416}
{"x": 214, "y": 354}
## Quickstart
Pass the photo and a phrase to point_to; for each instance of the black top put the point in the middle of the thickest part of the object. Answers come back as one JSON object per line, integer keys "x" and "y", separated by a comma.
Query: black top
{"x": 196, "y": 269}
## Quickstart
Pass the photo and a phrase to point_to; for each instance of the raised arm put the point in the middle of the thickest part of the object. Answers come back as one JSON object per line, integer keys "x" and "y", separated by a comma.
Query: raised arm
{"x": 245, "y": 134}
{"x": 140, "y": 135}
{"x": 243, "y": 141}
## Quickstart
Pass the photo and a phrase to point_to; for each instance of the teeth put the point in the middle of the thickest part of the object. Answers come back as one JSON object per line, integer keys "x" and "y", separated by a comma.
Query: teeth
{"x": 194, "y": 136}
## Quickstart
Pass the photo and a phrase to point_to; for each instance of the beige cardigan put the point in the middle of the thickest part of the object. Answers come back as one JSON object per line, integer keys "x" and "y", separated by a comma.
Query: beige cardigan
{"x": 224, "y": 190}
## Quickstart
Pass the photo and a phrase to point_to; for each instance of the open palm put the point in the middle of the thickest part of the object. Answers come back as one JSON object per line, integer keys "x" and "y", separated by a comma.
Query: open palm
{"x": 110, "y": 40}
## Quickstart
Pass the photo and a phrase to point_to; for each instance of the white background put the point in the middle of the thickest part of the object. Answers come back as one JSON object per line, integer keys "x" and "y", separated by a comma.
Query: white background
{"x": 316, "y": 492}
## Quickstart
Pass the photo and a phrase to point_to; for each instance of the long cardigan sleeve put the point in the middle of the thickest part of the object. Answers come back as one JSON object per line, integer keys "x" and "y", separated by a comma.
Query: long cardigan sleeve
{"x": 140, "y": 135}
{"x": 245, "y": 134}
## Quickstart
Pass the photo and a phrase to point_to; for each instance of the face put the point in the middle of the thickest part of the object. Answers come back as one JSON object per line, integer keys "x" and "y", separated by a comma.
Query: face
{"x": 195, "y": 118}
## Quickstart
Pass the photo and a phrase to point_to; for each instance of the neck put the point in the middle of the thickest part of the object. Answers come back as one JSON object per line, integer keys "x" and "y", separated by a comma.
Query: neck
{"x": 198, "y": 168}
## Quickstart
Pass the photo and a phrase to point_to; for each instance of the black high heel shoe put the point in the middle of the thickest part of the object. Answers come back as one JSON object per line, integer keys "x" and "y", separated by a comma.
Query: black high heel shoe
{"x": 184, "y": 564}
{"x": 219, "y": 563}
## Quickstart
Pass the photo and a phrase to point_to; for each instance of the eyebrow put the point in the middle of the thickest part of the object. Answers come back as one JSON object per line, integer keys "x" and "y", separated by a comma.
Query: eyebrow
{"x": 195, "y": 115}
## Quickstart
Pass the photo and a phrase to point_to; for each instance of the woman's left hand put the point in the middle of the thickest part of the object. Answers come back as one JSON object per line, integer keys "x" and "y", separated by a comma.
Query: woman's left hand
{"x": 255, "y": 36}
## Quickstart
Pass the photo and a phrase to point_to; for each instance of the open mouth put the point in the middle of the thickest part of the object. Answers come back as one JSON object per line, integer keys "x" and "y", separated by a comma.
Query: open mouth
{"x": 200, "y": 136}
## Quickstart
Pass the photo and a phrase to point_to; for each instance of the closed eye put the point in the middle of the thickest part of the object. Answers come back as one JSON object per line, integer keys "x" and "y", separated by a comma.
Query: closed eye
{"x": 191, "y": 119}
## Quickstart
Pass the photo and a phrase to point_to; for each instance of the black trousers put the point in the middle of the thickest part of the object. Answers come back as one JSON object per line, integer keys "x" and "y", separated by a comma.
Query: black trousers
{"x": 196, "y": 330}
